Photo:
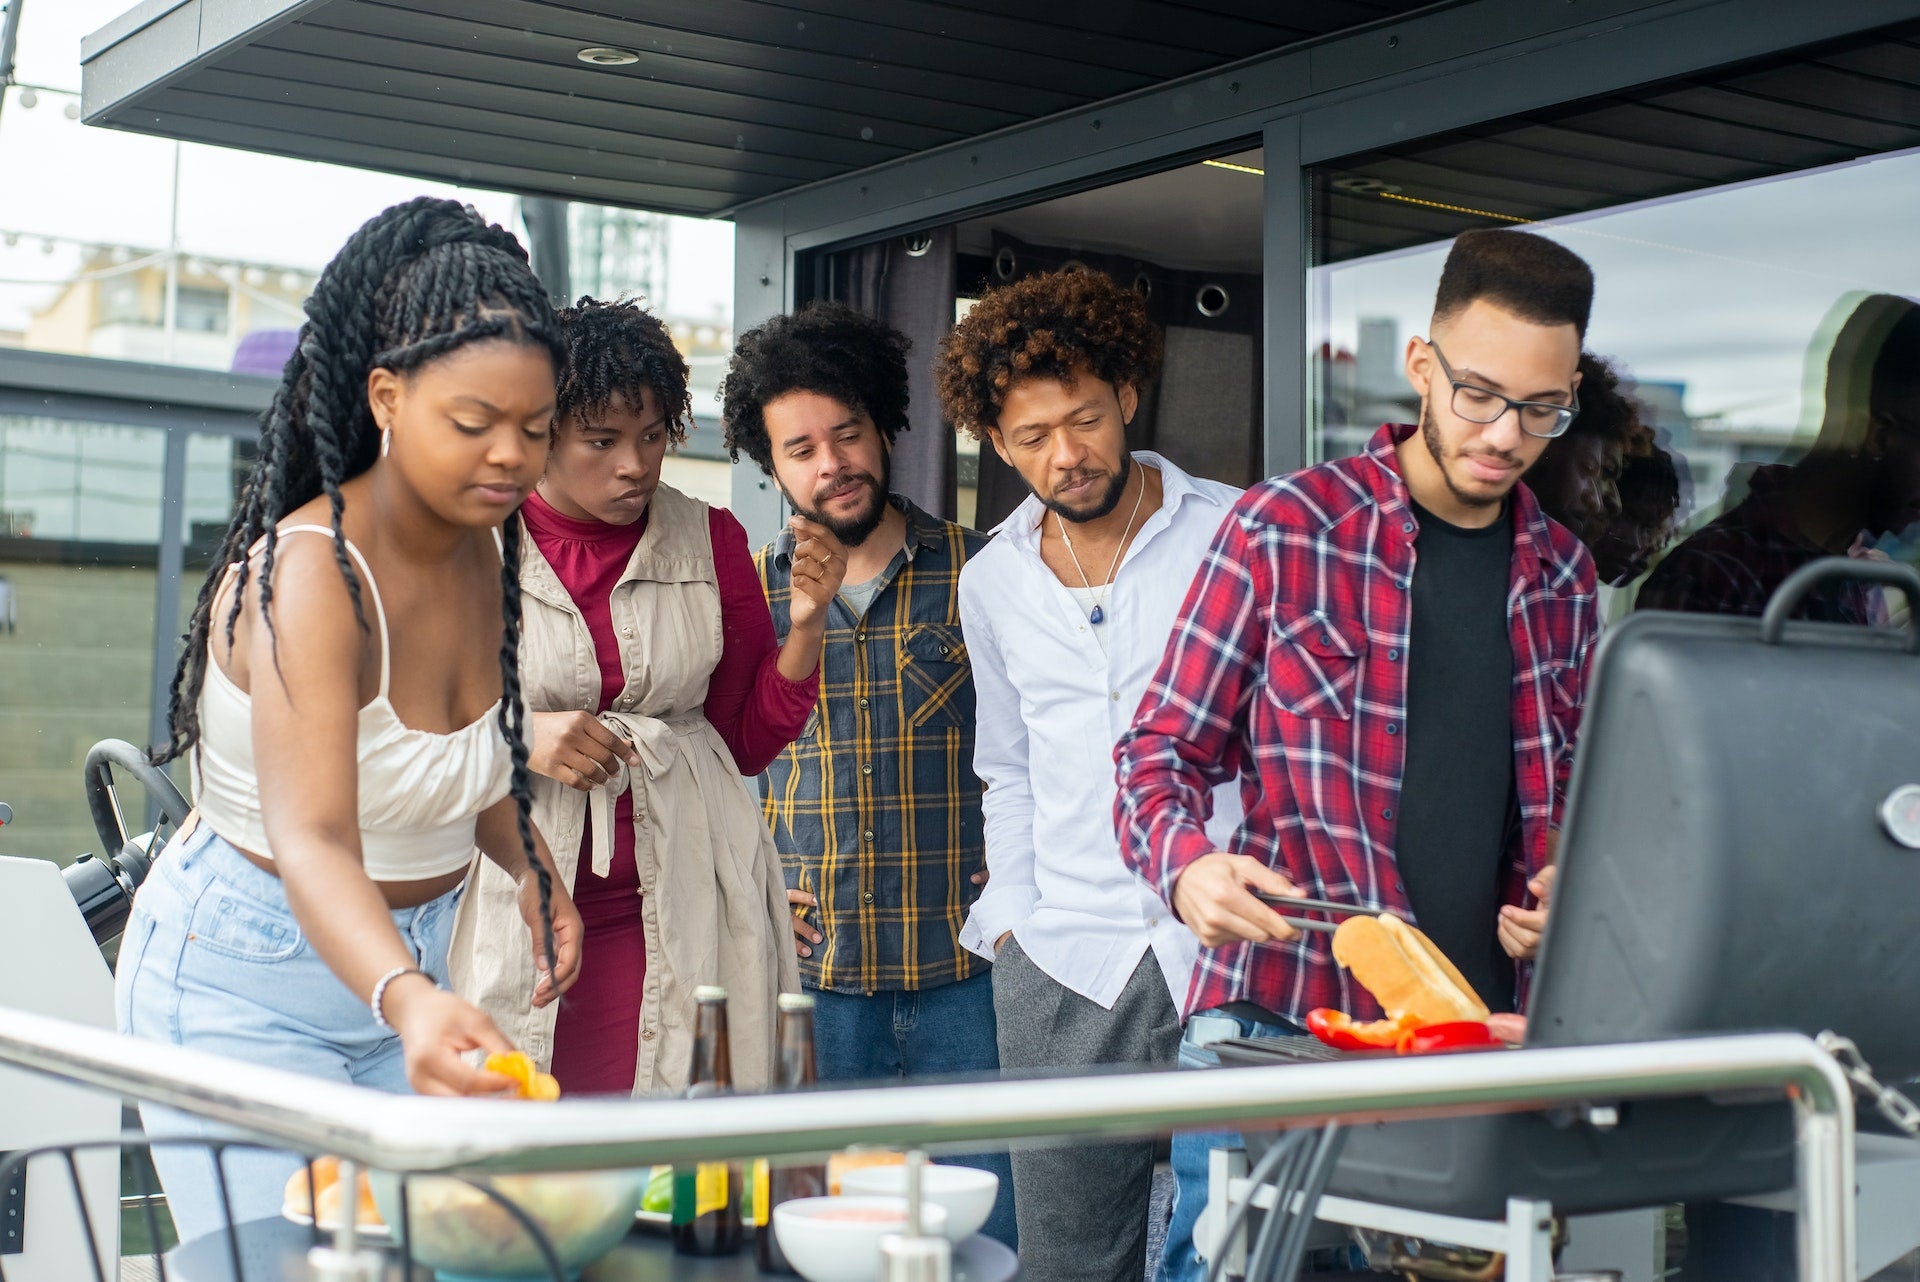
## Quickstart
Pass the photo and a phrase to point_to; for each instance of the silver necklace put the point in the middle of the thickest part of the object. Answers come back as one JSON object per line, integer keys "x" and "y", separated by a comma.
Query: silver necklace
{"x": 1099, "y": 614}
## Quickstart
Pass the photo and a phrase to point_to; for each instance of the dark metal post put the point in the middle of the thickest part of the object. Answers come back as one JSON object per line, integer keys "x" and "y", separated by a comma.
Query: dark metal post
{"x": 762, "y": 289}
{"x": 9, "y": 37}
{"x": 549, "y": 245}
{"x": 1288, "y": 364}
{"x": 166, "y": 600}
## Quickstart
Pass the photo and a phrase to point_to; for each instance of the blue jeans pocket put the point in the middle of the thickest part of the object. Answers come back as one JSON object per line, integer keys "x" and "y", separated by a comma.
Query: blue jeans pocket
{"x": 233, "y": 926}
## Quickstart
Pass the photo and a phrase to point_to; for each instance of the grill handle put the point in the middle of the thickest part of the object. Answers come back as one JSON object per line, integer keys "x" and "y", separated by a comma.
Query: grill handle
{"x": 1787, "y": 597}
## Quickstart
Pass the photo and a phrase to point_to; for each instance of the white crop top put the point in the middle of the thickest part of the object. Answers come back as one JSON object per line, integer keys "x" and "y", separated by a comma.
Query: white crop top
{"x": 420, "y": 793}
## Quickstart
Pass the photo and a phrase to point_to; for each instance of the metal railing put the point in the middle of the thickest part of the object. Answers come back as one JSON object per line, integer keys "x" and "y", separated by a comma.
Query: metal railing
{"x": 412, "y": 1135}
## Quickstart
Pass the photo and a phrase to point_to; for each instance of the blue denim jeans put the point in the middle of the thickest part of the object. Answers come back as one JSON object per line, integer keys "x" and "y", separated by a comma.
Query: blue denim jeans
{"x": 213, "y": 959}
{"x": 932, "y": 1032}
{"x": 1179, "y": 1262}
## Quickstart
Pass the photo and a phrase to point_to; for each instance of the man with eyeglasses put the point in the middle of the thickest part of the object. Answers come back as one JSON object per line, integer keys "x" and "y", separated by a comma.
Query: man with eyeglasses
{"x": 1391, "y": 652}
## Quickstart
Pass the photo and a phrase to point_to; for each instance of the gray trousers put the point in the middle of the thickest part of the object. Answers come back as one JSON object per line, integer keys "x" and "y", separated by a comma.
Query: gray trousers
{"x": 1082, "y": 1208}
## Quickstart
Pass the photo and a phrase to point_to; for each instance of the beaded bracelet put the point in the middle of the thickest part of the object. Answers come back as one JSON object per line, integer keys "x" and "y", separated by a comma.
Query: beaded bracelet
{"x": 380, "y": 991}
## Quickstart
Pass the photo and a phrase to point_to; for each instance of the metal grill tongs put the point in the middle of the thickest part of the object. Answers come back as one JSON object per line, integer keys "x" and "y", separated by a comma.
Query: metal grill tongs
{"x": 1316, "y": 906}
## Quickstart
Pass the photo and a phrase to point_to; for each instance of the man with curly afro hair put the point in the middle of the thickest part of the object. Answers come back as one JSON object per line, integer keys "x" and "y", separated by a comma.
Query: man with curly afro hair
{"x": 1066, "y": 614}
{"x": 875, "y": 808}
{"x": 1391, "y": 651}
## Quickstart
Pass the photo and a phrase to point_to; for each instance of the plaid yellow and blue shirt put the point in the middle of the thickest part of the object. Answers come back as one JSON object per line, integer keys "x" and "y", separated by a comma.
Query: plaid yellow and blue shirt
{"x": 875, "y": 807}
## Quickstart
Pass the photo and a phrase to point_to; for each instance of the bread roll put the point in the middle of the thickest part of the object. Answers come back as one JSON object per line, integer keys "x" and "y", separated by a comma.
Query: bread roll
{"x": 298, "y": 1197}
{"x": 333, "y": 1195}
{"x": 298, "y": 1201}
{"x": 1405, "y": 973}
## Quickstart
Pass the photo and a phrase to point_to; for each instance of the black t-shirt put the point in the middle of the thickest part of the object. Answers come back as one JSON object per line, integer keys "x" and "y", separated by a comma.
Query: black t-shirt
{"x": 1457, "y": 796}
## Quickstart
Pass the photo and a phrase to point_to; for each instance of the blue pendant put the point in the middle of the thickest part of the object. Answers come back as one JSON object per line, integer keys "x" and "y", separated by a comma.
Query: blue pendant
{"x": 1098, "y": 615}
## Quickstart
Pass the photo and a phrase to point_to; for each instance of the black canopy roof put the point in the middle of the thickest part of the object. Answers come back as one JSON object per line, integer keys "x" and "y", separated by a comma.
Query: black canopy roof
{"x": 724, "y": 101}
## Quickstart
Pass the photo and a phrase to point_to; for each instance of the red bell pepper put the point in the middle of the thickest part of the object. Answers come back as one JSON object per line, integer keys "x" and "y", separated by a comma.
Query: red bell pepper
{"x": 1337, "y": 1029}
{"x": 1435, "y": 1039}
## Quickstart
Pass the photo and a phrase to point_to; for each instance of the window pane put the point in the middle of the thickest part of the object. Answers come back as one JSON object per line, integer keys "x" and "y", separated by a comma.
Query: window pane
{"x": 79, "y": 527}
{"x": 1763, "y": 328}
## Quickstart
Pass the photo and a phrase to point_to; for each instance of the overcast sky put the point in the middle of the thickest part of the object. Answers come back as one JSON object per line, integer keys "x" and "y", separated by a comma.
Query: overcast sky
{"x": 63, "y": 179}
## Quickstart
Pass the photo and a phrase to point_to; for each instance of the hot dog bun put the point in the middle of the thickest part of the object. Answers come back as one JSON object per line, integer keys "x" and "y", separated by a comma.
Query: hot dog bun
{"x": 1405, "y": 973}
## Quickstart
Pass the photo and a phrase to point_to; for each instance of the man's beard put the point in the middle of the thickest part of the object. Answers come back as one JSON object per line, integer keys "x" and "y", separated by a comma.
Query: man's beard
{"x": 856, "y": 530}
{"x": 1430, "y": 434}
{"x": 1107, "y": 502}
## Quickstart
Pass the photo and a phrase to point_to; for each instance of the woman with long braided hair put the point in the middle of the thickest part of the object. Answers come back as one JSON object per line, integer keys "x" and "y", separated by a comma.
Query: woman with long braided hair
{"x": 349, "y": 701}
{"x": 653, "y": 682}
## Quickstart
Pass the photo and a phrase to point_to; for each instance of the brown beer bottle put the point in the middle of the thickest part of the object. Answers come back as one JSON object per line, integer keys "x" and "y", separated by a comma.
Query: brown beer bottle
{"x": 706, "y": 1196}
{"x": 776, "y": 1184}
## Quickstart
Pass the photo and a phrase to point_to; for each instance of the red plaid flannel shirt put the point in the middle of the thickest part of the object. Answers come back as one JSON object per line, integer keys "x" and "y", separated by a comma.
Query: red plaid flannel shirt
{"x": 1288, "y": 668}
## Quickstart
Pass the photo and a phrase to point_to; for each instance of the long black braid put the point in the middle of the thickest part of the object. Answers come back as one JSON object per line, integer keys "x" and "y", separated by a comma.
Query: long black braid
{"x": 412, "y": 284}
{"x": 619, "y": 349}
{"x": 513, "y": 717}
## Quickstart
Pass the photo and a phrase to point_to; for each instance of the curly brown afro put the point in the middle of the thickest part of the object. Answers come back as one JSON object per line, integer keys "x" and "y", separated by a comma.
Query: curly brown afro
{"x": 1059, "y": 325}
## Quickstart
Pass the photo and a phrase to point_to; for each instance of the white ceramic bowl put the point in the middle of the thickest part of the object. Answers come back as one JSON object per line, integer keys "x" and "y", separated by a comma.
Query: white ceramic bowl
{"x": 822, "y": 1248}
{"x": 964, "y": 1193}
{"x": 462, "y": 1233}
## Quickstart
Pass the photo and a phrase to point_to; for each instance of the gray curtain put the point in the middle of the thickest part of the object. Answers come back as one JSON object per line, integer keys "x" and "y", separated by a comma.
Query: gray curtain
{"x": 907, "y": 281}
{"x": 1204, "y": 413}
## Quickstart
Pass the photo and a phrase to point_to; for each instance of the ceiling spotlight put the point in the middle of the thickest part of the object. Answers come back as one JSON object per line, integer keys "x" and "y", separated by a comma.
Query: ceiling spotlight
{"x": 72, "y": 111}
{"x": 29, "y": 99}
{"x": 603, "y": 56}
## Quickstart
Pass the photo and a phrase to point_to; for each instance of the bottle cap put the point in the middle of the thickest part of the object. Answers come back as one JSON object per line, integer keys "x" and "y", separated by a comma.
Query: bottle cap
{"x": 795, "y": 1002}
{"x": 709, "y": 993}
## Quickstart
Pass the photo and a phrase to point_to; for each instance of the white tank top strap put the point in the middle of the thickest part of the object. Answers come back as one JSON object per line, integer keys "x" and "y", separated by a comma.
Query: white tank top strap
{"x": 379, "y": 610}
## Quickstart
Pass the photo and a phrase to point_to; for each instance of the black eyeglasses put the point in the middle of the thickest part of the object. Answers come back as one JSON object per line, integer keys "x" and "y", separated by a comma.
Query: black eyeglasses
{"x": 1481, "y": 405}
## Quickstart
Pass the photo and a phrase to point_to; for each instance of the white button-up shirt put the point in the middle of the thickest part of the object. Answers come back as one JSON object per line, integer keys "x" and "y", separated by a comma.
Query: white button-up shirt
{"x": 1051, "y": 703}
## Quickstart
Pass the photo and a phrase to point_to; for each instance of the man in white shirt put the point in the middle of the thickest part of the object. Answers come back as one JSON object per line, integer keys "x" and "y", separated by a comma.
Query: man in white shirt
{"x": 1066, "y": 614}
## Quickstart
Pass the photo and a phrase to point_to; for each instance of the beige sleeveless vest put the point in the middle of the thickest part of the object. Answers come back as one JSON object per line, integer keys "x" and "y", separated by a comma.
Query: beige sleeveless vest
{"x": 713, "y": 898}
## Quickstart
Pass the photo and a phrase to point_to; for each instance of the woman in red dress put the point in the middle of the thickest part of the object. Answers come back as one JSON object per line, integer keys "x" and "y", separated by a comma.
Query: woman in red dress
{"x": 654, "y": 683}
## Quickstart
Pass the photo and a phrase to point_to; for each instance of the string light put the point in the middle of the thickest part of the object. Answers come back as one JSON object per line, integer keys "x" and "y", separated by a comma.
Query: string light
{"x": 1451, "y": 209}
{"x": 29, "y": 97}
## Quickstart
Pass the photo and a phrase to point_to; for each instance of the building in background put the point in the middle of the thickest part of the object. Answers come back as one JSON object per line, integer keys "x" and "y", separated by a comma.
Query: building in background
{"x": 618, "y": 253}
{"x": 125, "y": 304}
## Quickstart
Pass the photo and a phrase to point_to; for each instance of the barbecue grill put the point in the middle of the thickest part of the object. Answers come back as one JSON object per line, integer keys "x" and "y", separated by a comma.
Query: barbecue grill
{"x": 1741, "y": 852}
